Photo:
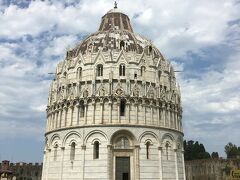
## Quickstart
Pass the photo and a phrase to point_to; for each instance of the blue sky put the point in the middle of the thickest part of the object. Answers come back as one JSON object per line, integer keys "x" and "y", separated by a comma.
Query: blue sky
{"x": 200, "y": 38}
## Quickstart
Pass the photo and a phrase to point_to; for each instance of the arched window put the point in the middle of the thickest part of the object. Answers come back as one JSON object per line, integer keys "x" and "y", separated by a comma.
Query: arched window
{"x": 55, "y": 152}
{"x": 147, "y": 149}
{"x": 122, "y": 44}
{"x": 72, "y": 151}
{"x": 82, "y": 109}
{"x": 122, "y": 143}
{"x": 64, "y": 74}
{"x": 150, "y": 49}
{"x": 79, "y": 73}
{"x": 122, "y": 107}
{"x": 96, "y": 150}
{"x": 167, "y": 150}
{"x": 143, "y": 69}
{"x": 100, "y": 70}
{"x": 122, "y": 70}
{"x": 159, "y": 74}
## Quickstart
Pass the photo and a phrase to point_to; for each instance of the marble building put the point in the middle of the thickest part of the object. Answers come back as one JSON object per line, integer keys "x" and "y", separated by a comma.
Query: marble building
{"x": 114, "y": 110}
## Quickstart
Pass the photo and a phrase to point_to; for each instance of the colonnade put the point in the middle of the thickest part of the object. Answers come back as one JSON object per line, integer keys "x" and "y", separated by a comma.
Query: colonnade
{"x": 74, "y": 113}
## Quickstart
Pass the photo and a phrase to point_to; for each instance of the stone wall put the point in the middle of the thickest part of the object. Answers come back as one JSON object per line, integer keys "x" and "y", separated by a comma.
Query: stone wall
{"x": 210, "y": 169}
{"x": 24, "y": 171}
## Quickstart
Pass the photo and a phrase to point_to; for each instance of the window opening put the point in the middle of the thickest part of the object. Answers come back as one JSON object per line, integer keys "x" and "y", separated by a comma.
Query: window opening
{"x": 167, "y": 151}
{"x": 100, "y": 70}
{"x": 122, "y": 44}
{"x": 82, "y": 108}
{"x": 122, "y": 70}
{"x": 147, "y": 149}
{"x": 96, "y": 150}
{"x": 72, "y": 152}
{"x": 122, "y": 108}
{"x": 79, "y": 72}
{"x": 135, "y": 75}
{"x": 55, "y": 152}
{"x": 122, "y": 143}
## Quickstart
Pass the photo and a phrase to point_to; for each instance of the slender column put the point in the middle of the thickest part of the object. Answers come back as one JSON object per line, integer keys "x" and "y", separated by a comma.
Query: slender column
{"x": 160, "y": 163}
{"x": 53, "y": 120}
{"x": 128, "y": 112}
{"x": 61, "y": 168}
{"x": 85, "y": 112}
{"x": 109, "y": 164}
{"x": 101, "y": 111}
{"x": 118, "y": 104}
{"x": 137, "y": 175}
{"x": 176, "y": 164}
{"x": 164, "y": 114}
{"x": 144, "y": 111}
{"x": 71, "y": 117}
{"x": 136, "y": 112}
{"x": 83, "y": 160}
{"x": 158, "y": 115}
{"x": 183, "y": 165}
{"x": 169, "y": 117}
{"x": 93, "y": 113}
{"x": 60, "y": 118}
{"x": 56, "y": 118}
{"x": 77, "y": 112}
{"x": 151, "y": 113}
{"x": 176, "y": 119}
{"x": 65, "y": 116}
{"x": 110, "y": 112}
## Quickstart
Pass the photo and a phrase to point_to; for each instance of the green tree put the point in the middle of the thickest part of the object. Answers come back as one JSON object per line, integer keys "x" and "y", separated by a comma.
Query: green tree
{"x": 215, "y": 155}
{"x": 232, "y": 150}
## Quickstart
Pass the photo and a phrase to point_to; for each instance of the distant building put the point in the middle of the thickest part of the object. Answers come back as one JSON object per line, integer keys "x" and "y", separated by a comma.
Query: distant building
{"x": 20, "y": 171}
{"x": 114, "y": 110}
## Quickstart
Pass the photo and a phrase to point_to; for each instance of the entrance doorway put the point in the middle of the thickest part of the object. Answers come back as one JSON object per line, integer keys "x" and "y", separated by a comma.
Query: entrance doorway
{"x": 122, "y": 168}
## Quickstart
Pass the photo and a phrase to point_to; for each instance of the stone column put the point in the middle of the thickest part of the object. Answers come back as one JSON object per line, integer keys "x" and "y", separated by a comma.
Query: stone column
{"x": 137, "y": 173}
{"x": 61, "y": 168}
{"x": 71, "y": 117}
{"x": 53, "y": 120}
{"x": 158, "y": 114}
{"x": 160, "y": 163}
{"x": 60, "y": 118}
{"x": 136, "y": 112}
{"x": 101, "y": 111}
{"x": 144, "y": 111}
{"x": 85, "y": 112}
{"x": 118, "y": 105}
{"x": 164, "y": 114}
{"x": 77, "y": 112}
{"x": 176, "y": 164}
{"x": 110, "y": 164}
{"x": 56, "y": 119}
{"x": 128, "y": 112}
{"x": 93, "y": 113}
{"x": 83, "y": 160}
{"x": 176, "y": 119}
{"x": 65, "y": 116}
{"x": 151, "y": 106}
{"x": 110, "y": 112}
{"x": 183, "y": 165}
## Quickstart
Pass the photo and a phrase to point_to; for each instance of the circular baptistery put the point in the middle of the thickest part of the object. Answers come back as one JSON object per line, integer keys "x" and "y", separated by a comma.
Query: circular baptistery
{"x": 114, "y": 110}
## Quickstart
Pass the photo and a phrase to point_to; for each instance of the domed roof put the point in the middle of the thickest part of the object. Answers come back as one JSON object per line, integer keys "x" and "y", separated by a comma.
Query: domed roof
{"x": 115, "y": 33}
